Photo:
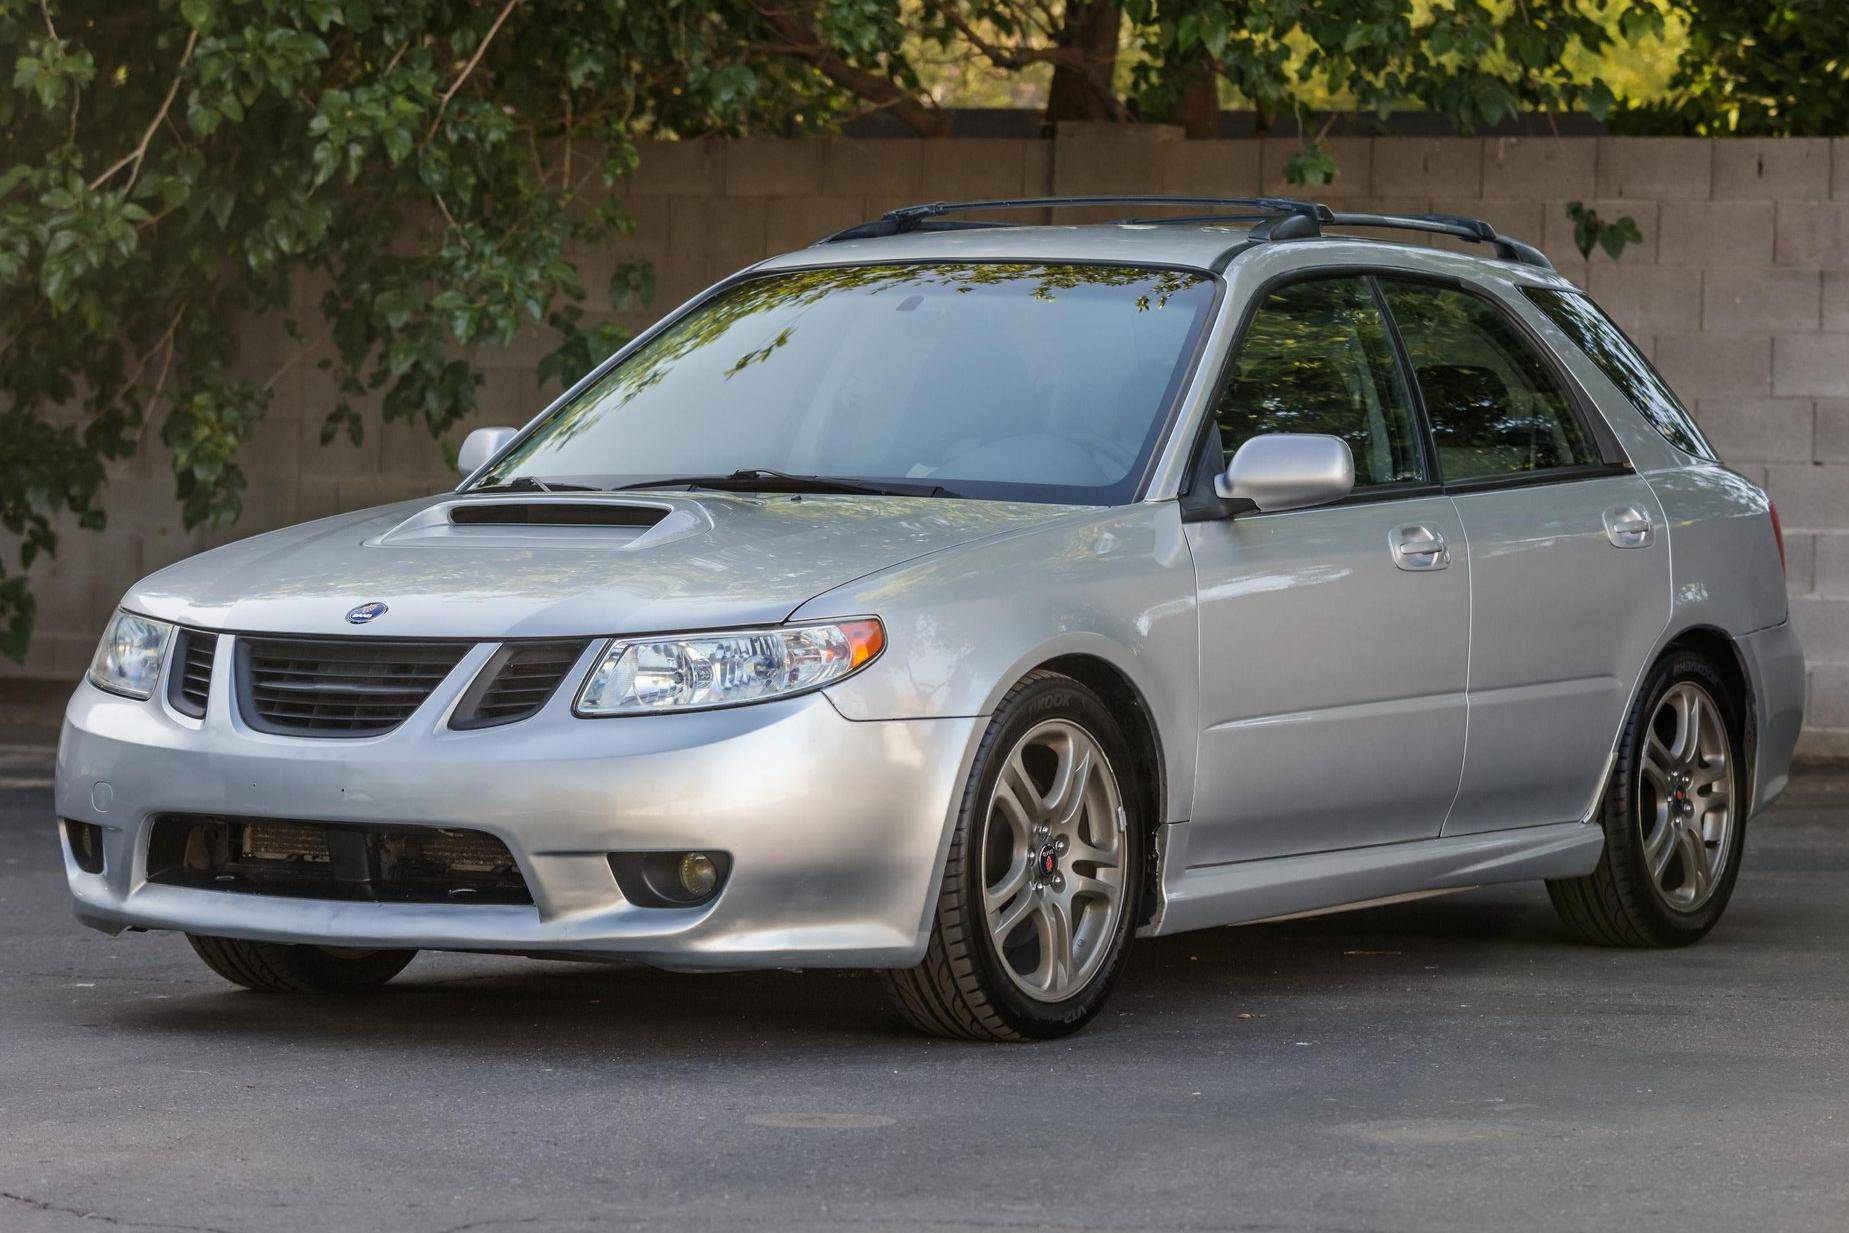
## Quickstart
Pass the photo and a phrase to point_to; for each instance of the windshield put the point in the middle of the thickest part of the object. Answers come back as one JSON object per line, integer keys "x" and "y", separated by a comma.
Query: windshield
{"x": 1006, "y": 381}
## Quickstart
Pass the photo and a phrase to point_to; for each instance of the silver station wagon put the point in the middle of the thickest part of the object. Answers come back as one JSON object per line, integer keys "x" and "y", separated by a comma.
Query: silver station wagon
{"x": 962, "y": 600}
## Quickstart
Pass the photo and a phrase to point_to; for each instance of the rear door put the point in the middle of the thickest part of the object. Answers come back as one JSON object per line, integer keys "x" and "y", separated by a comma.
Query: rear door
{"x": 1569, "y": 556}
{"x": 1333, "y": 639}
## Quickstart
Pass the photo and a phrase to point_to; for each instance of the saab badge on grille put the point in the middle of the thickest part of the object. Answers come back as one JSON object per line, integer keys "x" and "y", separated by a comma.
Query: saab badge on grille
{"x": 365, "y": 613}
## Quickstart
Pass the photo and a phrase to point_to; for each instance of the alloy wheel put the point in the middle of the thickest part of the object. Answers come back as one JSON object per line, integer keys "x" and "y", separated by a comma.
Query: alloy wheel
{"x": 1053, "y": 873}
{"x": 1685, "y": 805}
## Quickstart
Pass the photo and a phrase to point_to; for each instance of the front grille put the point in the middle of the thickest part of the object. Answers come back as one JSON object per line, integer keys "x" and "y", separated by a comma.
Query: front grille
{"x": 190, "y": 680}
{"x": 516, "y": 682}
{"x": 338, "y": 687}
{"x": 325, "y": 860}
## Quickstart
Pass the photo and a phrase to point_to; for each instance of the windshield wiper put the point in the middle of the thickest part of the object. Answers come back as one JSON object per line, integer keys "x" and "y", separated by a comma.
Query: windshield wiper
{"x": 763, "y": 479}
{"x": 526, "y": 483}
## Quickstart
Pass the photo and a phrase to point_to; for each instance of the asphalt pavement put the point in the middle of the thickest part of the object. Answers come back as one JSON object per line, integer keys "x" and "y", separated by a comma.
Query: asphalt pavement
{"x": 1457, "y": 1063}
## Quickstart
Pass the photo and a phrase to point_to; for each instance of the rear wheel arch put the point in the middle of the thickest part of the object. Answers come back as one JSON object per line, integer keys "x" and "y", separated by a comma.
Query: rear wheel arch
{"x": 1717, "y": 647}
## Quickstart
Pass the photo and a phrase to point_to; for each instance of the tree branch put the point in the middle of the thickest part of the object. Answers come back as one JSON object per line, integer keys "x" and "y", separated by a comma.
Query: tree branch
{"x": 443, "y": 103}
{"x": 1006, "y": 57}
{"x": 799, "y": 31}
{"x": 134, "y": 157}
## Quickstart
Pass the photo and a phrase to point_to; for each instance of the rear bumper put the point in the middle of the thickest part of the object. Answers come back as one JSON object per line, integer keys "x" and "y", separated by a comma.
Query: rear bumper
{"x": 836, "y": 828}
{"x": 1775, "y": 668}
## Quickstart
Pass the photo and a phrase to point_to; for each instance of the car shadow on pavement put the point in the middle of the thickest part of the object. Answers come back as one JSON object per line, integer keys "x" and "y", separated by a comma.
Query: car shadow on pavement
{"x": 484, "y": 1005}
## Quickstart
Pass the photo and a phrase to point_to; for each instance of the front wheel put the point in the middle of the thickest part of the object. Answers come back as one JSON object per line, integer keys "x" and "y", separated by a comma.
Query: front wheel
{"x": 271, "y": 967}
{"x": 1040, "y": 889}
{"x": 1674, "y": 817}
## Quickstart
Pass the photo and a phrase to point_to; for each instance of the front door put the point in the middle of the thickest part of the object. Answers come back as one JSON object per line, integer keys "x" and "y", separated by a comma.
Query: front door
{"x": 1334, "y": 640}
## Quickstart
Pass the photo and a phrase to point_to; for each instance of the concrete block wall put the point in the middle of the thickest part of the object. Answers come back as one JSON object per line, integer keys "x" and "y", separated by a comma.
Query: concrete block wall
{"x": 1739, "y": 291}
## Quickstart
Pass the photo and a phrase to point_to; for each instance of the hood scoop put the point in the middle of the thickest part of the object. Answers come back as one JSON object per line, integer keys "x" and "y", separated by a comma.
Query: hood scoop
{"x": 542, "y": 522}
{"x": 554, "y": 514}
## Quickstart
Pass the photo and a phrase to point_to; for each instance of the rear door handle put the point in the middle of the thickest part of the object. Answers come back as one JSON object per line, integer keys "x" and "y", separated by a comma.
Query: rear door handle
{"x": 1419, "y": 547}
{"x": 1626, "y": 526}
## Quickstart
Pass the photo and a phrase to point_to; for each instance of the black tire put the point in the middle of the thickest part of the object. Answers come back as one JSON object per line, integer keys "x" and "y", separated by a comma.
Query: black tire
{"x": 270, "y": 967}
{"x": 1619, "y": 903}
{"x": 960, "y": 990}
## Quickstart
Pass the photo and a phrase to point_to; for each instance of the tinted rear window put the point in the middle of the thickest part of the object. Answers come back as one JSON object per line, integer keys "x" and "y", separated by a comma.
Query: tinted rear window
{"x": 1623, "y": 365}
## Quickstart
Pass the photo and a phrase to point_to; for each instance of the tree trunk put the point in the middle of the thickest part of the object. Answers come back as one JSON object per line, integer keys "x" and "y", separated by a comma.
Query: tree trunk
{"x": 1084, "y": 87}
{"x": 1200, "y": 104}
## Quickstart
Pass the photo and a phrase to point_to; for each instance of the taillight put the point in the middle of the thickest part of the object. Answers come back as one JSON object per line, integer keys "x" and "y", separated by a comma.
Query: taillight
{"x": 1778, "y": 533}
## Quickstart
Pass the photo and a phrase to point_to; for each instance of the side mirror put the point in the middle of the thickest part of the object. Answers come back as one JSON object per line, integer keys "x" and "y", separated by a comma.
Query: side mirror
{"x": 481, "y": 445}
{"x": 1288, "y": 470}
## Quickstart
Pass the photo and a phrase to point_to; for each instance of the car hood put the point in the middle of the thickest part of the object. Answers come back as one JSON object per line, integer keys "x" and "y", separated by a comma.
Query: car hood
{"x": 468, "y": 566}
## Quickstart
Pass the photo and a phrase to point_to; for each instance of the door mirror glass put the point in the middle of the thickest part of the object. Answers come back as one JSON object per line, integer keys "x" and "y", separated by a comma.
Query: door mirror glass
{"x": 1289, "y": 470}
{"x": 481, "y": 445}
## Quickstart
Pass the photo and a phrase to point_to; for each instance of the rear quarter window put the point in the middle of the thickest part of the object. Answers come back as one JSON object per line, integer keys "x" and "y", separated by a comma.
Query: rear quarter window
{"x": 1623, "y": 365}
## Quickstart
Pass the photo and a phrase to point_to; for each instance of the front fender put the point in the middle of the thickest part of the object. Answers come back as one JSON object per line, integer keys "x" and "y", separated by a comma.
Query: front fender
{"x": 962, "y": 626}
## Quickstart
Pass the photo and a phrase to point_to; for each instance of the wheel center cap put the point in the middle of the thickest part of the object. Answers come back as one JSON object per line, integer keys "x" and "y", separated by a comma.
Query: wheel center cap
{"x": 1048, "y": 861}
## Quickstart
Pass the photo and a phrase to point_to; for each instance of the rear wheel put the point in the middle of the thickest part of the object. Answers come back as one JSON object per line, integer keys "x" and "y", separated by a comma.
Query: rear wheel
{"x": 271, "y": 967}
{"x": 1040, "y": 890}
{"x": 1674, "y": 817}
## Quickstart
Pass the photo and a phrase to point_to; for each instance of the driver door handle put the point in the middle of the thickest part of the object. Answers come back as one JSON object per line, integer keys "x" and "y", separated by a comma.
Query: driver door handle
{"x": 1419, "y": 547}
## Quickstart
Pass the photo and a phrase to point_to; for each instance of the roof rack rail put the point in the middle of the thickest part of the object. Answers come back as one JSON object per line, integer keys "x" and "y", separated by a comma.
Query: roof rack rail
{"x": 928, "y": 215}
{"x": 1282, "y": 218}
{"x": 1455, "y": 225}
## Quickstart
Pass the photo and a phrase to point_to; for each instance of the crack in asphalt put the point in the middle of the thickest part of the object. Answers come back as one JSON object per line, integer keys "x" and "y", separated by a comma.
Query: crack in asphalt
{"x": 45, "y": 1205}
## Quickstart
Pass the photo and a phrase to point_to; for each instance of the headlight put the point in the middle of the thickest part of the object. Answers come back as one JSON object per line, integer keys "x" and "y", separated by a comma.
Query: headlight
{"x": 128, "y": 659}
{"x": 698, "y": 671}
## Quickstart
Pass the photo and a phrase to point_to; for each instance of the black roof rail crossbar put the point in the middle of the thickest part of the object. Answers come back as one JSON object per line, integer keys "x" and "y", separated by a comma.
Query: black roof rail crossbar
{"x": 917, "y": 217}
{"x": 1452, "y": 225}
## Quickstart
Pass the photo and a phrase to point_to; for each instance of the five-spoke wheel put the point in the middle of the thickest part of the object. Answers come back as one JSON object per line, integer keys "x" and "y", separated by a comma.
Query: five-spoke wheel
{"x": 1040, "y": 890}
{"x": 1674, "y": 815}
{"x": 1052, "y": 859}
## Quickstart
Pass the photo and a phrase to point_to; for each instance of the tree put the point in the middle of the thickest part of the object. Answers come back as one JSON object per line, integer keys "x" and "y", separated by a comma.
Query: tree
{"x": 1762, "y": 68}
{"x": 175, "y": 168}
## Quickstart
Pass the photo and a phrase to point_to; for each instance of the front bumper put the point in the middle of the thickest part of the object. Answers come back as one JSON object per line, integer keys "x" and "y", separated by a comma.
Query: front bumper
{"x": 836, "y": 828}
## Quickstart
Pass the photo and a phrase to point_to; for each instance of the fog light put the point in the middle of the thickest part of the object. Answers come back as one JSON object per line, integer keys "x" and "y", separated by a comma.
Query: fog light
{"x": 698, "y": 875}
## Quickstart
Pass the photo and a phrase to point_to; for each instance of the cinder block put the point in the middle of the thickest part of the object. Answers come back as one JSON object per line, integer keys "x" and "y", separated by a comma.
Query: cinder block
{"x": 1443, "y": 168}
{"x": 678, "y": 168}
{"x": 1836, "y": 301}
{"x": 1211, "y": 168}
{"x": 1829, "y": 697}
{"x": 1762, "y": 300}
{"x": 1524, "y": 220}
{"x": 1822, "y": 624}
{"x": 1558, "y": 235}
{"x": 1656, "y": 168}
{"x": 1111, "y": 158}
{"x": 1813, "y": 365}
{"x": 772, "y": 167}
{"x": 1540, "y": 168}
{"x": 1810, "y": 497}
{"x": 1649, "y": 299}
{"x": 1725, "y": 233}
{"x": 726, "y": 232}
{"x": 1771, "y": 169}
{"x": 339, "y": 456}
{"x": 1758, "y": 429}
{"x": 1715, "y": 365}
{"x": 1354, "y": 158}
{"x": 1827, "y": 745}
{"x": 798, "y": 222}
{"x": 1801, "y": 562}
{"x": 1839, "y": 168}
{"x": 650, "y": 237}
{"x": 1832, "y": 431}
{"x": 860, "y": 168}
{"x": 979, "y": 167}
{"x": 1814, "y": 234}
{"x": 1830, "y": 567}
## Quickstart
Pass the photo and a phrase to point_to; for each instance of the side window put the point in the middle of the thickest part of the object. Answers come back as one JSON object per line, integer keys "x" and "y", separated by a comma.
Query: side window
{"x": 1316, "y": 357}
{"x": 1623, "y": 365}
{"x": 1495, "y": 407}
